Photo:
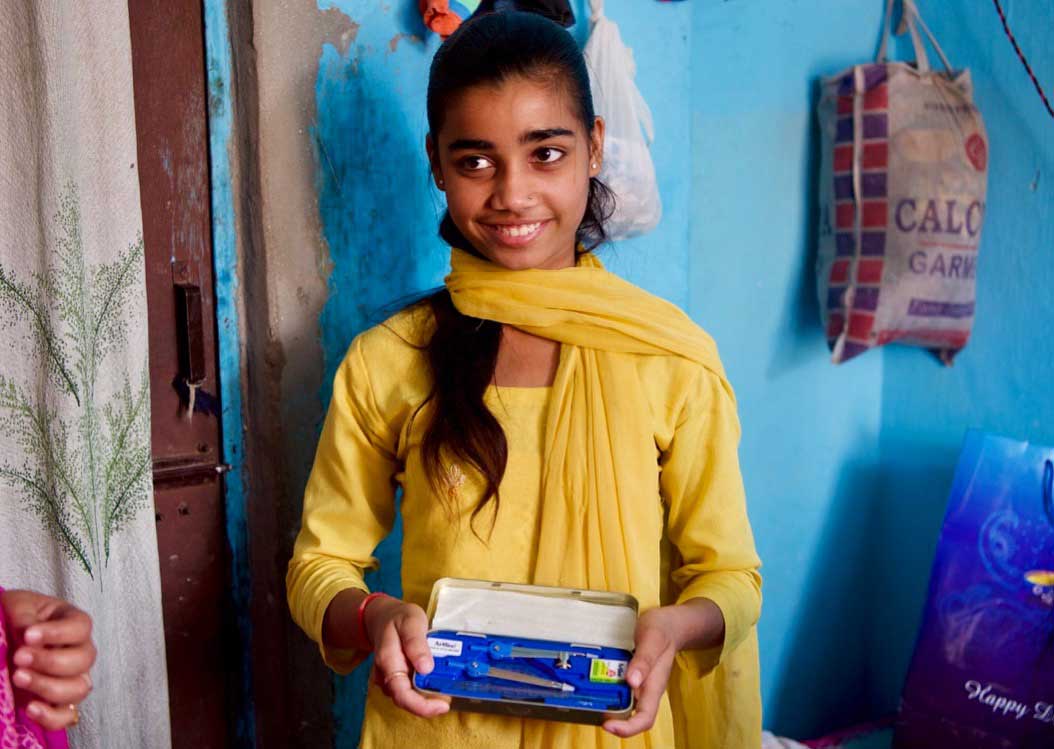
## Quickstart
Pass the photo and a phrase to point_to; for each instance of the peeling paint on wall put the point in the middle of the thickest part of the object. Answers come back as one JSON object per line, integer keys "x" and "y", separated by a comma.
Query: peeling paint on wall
{"x": 337, "y": 29}
{"x": 229, "y": 332}
{"x": 393, "y": 45}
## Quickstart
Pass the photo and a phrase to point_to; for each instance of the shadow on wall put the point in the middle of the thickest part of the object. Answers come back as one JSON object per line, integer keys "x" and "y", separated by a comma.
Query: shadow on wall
{"x": 831, "y": 637}
{"x": 854, "y": 636}
{"x": 801, "y": 325}
{"x": 919, "y": 472}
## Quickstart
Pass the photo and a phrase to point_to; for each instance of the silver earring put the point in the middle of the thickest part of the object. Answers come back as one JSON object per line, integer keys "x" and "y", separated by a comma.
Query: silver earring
{"x": 442, "y": 182}
{"x": 594, "y": 165}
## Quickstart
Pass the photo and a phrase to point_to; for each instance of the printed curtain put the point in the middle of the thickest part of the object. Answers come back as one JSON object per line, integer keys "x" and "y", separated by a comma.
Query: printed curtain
{"x": 76, "y": 498}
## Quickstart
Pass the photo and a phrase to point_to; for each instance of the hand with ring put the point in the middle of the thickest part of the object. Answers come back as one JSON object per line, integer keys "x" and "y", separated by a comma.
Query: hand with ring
{"x": 56, "y": 655}
{"x": 398, "y": 631}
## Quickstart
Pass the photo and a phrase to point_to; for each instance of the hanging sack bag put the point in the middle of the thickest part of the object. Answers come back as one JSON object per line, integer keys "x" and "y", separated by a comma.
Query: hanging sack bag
{"x": 982, "y": 676}
{"x": 902, "y": 198}
{"x": 627, "y": 169}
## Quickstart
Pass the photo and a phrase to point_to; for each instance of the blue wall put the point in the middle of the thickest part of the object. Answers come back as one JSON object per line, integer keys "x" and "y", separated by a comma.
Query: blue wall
{"x": 1001, "y": 381}
{"x": 810, "y": 448}
{"x": 846, "y": 468}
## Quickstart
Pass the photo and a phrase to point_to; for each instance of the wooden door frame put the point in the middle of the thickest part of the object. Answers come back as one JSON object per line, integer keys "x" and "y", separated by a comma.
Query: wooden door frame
{"x": 168, "y": 70}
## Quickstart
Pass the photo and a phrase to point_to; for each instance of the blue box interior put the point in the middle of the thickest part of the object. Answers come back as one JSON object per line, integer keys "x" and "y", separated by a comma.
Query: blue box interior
{"x": 465, "y": 666}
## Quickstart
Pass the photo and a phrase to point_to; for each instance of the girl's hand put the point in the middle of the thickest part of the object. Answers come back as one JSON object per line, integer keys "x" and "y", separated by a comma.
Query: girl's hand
{"x": 54, "y": 660}
{"x": 649, "y": 670}
{"x": 661, "y": 632}
{"x": 397, "y": 630}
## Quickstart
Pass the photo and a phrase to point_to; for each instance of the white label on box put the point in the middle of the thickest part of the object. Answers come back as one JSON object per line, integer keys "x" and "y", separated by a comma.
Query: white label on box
{"x": 442, "y": 648}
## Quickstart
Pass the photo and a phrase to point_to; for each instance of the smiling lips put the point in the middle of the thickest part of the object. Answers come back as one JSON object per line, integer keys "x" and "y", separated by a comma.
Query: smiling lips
{"x": 516, "y": 235}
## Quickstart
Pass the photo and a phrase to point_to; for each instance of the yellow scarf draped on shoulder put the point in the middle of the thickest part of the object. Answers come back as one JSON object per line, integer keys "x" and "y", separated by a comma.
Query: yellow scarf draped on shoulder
{"x": 599, "y": 527}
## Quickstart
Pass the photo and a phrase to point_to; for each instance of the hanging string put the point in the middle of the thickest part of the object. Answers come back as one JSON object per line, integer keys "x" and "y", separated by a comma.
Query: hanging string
{"x": 1020, "y": 54}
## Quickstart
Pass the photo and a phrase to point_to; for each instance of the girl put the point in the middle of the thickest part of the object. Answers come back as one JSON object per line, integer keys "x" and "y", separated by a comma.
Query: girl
{"x": 547, "y": 422}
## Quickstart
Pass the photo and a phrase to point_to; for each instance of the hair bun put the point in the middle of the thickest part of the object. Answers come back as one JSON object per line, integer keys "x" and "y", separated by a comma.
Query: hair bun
{"x": 558, "y": 11}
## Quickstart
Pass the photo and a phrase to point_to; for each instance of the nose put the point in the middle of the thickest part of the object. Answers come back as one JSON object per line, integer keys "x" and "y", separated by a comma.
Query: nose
{"x": 514, "y": 190}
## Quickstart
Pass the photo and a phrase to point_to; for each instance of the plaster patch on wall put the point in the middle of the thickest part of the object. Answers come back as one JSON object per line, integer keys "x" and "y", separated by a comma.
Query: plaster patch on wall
{"x": 291, "y": 41}
{"x": 290, "y": 266}
{"x": 393, "y": 45}
{"x": 338, "y": 29}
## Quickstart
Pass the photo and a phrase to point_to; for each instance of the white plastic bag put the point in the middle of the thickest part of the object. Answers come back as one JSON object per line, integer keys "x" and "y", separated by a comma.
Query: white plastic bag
{"x": 627, "y": 169}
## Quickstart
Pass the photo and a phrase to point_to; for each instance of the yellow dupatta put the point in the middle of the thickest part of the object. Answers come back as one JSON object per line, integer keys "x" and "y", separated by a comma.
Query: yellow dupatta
{"x": 600, "y": 526}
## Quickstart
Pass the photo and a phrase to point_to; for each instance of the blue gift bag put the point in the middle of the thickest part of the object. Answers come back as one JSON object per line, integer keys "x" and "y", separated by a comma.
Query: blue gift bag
{"x": 982, "y": 675}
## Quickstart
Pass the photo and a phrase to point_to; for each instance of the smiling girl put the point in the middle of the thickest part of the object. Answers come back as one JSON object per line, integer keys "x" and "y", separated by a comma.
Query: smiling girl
{"x": 547, "y": 422}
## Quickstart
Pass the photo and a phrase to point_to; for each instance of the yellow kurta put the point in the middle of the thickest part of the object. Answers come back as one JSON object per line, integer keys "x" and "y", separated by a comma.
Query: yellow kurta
{"x": 370, "y": 444}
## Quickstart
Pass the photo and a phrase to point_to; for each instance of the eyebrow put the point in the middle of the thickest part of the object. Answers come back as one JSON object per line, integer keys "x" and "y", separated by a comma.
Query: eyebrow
{"x": 469, "y": 144}
{"x": 545, "y": 134}
{"x": 531, "y": 136}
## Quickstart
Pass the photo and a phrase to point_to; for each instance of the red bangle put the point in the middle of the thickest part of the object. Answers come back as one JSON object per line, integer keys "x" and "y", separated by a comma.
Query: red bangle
{"x": 365, "y": 634}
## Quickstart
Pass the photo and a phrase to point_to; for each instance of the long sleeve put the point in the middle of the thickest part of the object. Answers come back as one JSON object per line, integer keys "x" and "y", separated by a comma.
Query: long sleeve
{"x": 707, "y": 521}
{"x": 349, "y": 504}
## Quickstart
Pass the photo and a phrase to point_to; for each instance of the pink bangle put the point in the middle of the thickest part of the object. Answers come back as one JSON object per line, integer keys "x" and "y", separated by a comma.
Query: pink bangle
{"x": 362, "y": 618}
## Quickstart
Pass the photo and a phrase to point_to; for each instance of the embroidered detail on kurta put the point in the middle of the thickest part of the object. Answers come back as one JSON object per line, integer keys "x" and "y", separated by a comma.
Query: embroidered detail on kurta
{"x": 453, "y": 480}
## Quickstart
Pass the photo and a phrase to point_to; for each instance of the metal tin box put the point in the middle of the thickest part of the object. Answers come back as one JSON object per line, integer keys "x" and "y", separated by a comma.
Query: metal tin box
{"x": 566, "y": 618}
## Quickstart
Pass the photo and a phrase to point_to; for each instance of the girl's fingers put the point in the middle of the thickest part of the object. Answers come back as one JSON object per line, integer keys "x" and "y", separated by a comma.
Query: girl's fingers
{"x": 388, "y": 656}
{"x": 67, "y": 661}
{"x": 51, "y": 717}
{"x": 57, "y": 690}
{"x": 648, "y": 697}
{"x": 413, "y": 631}
{"x": 639, "y": 667}
{"x": 652, "y": 663}
{"x": 393, "y": 672}
{"x": 652, "y": 644}
{"x": 67, "y": 625}
{"x": 404, "y": 695}
{"x": 25, "y": 608}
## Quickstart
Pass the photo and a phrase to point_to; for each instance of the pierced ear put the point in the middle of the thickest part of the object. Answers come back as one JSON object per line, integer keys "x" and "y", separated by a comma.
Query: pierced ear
{"x": 596, "y": 160}
{"x": 596, "y": 145}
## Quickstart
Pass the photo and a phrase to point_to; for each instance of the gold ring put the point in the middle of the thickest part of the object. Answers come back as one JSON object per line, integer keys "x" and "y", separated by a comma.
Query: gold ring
{"x": 76, "y": 714}
{"x": 393, "y": 674}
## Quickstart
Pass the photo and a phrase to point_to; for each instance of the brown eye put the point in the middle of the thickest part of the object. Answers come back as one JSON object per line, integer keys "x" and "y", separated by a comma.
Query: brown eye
{"x": 548, "y": 155}
{"x": 475, "y": 163}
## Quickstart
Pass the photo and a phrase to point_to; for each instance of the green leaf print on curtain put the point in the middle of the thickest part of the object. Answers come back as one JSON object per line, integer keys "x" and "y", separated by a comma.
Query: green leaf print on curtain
{"x": 84, "y": 477}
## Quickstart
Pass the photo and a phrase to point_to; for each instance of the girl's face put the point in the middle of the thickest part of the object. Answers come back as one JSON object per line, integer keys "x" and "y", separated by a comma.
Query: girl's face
{"x": 514, "y": 161}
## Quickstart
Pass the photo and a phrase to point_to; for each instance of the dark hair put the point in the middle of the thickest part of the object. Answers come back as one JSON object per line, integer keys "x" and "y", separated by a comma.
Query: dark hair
{"x": 463, "y": 351}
